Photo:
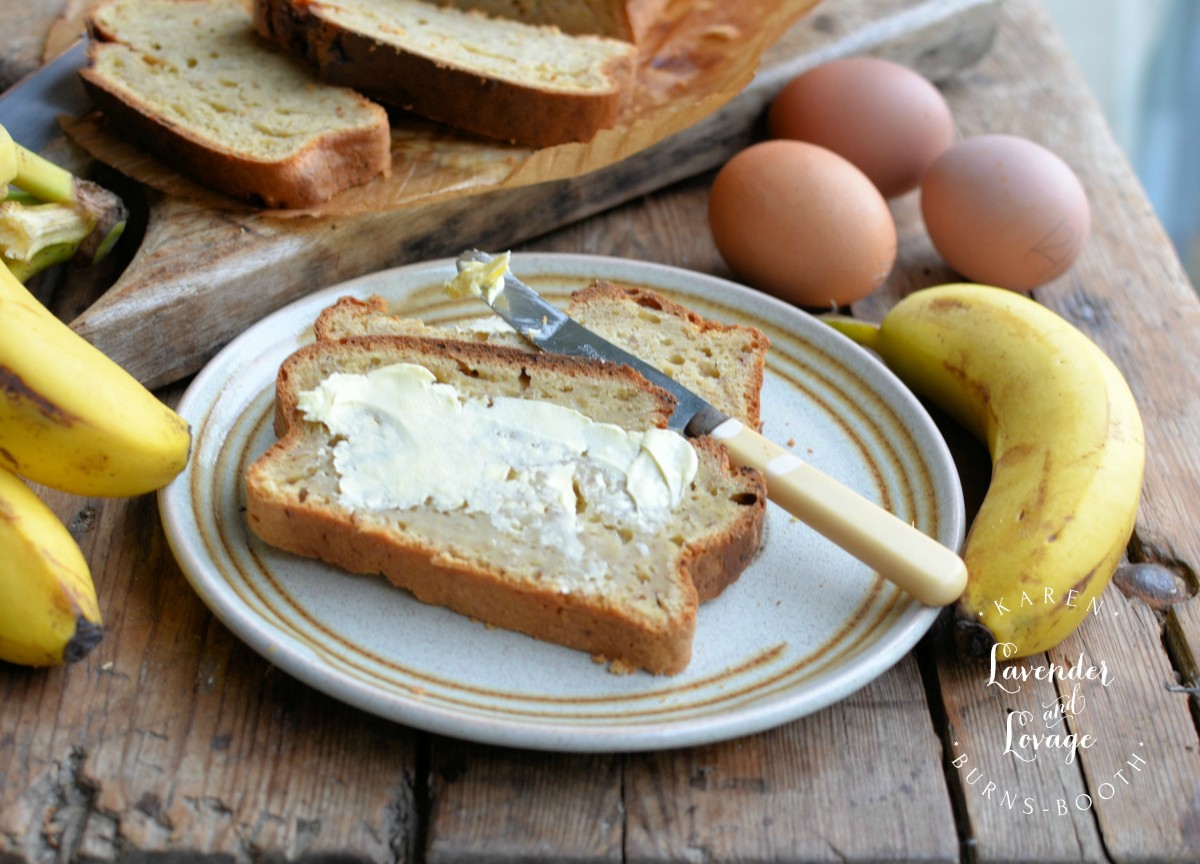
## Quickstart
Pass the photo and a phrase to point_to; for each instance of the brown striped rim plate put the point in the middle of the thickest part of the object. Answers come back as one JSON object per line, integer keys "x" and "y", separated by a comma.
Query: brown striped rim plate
{"x": 805, "y": 626}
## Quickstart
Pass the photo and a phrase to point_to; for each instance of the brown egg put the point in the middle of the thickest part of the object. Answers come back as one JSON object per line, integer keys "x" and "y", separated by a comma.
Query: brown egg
{"x": 1005, "y": 211}
{"x": 884, "y": 117}
{"x": 802, "y": 223}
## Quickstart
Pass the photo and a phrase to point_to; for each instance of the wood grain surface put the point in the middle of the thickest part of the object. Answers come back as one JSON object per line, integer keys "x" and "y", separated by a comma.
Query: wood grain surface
{"x": 174, "y": 741}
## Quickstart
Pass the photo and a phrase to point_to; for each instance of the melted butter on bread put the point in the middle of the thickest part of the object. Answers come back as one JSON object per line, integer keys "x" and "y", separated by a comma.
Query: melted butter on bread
{"x": 403, "y": 440}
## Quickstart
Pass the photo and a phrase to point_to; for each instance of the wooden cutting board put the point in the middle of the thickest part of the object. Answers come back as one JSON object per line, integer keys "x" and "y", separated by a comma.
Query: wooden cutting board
{"x": 199, "y": 277}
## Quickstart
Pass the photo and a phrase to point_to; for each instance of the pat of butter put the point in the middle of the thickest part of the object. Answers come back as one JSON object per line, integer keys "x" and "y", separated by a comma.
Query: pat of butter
{"x": 480, "y": 278}
{"x": 404, "y": 440}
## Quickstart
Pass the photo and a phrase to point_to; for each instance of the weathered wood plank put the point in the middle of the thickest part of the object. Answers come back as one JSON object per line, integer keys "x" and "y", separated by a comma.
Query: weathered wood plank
{"x": 189, "y": 743}
{"x": 859, "y": 781}
{"x": 495, "y": 804}
{"x": 1182, "y": 636}
{"x": 1011, "y": 807}
{"x": 1143, "y": 767}
{"x": 1127, "y": 789}
{"x": 25, "y": 26}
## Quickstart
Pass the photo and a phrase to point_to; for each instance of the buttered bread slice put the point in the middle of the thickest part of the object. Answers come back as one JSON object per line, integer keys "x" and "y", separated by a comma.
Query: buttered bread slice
{"x": 193, "y": 83}
{"x": 498, "y": 77}
{"x": 723, "y": 363}
{"x": 532, "y": 492}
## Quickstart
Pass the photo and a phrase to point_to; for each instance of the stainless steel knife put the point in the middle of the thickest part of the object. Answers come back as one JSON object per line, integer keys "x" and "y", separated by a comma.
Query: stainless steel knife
{"x": 898, "y": 551}
{"x": 29, "y": 110}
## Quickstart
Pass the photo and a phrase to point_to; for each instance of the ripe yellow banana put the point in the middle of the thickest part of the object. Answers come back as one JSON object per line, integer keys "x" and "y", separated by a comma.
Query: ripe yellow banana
{"x": 49, "y": 614}
{"x": 71, "y": 418}
{"x": 1067, "y": 448}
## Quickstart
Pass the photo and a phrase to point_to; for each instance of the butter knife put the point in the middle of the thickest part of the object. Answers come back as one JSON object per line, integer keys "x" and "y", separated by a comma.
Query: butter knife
{"x": 910, "y": 559}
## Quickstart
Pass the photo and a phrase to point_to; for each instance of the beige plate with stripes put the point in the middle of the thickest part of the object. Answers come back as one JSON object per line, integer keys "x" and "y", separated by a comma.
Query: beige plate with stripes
{"x": 805, "y": 626}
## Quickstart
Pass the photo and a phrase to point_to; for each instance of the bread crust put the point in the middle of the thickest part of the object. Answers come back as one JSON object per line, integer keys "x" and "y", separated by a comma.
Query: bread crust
{"x": 339, "y": 160}
{"x": 627, "y": 20}
{"x": 438, "y": 90}
{"x": 483, "y": 595}
{"x": 309, "y": 525}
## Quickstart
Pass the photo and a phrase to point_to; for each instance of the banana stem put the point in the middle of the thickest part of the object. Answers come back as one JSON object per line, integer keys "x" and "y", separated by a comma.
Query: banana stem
{"x": 19, "y": 196}
{"x": 43, "y": 181}
{"x": 42, "y": 178}
{"x": 864, "y": 333}
{"x": 8, "y": 158}
{"x": 25, "y": 230}
{"x": 46, "y": 257}
{"x": 108, "y": 214}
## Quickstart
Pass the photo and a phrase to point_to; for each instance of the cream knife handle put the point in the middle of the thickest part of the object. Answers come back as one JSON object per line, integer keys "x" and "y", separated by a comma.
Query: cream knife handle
{"x": 899, "y": 552}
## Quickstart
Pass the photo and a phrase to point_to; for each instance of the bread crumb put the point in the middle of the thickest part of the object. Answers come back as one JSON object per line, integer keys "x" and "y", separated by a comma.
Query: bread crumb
{"x": 615, "y": 667}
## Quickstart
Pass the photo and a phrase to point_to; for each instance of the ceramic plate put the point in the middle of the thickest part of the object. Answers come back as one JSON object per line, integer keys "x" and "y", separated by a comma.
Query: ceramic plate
{"x": 805, "y": 626}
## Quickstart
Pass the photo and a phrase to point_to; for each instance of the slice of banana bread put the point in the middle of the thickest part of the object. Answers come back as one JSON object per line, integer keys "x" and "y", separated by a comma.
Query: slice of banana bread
{"x": 195, "y": 85}
{"x": 724, "y": 363}
{"x": 556, "y": 549}
{"x": 496, "y": 77}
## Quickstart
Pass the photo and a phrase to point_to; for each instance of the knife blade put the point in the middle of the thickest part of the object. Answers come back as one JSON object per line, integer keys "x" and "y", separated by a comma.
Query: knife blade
{"x": 899, "y": 552}
{"x": 29, "y": 109}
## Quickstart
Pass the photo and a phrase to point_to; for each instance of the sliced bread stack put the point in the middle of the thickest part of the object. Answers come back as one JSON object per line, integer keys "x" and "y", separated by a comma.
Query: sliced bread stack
{"x": 621, "y": 583}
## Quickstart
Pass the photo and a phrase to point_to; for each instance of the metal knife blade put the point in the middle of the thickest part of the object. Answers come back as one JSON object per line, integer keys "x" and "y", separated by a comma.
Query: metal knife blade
{"x": 898, "y": 551}
{"x": 552, "y": 330}
{"x": 29, "y": 110}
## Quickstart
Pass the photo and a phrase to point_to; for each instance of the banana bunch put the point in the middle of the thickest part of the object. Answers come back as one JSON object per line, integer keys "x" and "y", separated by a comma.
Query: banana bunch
{"x": 1067, "y": 448}
{"x": 73, "y": 420}
{"x": 48, "y": 215}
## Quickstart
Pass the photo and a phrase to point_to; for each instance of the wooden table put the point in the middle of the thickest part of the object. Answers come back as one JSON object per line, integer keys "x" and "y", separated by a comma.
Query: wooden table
{"x": 174, "y": 739}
